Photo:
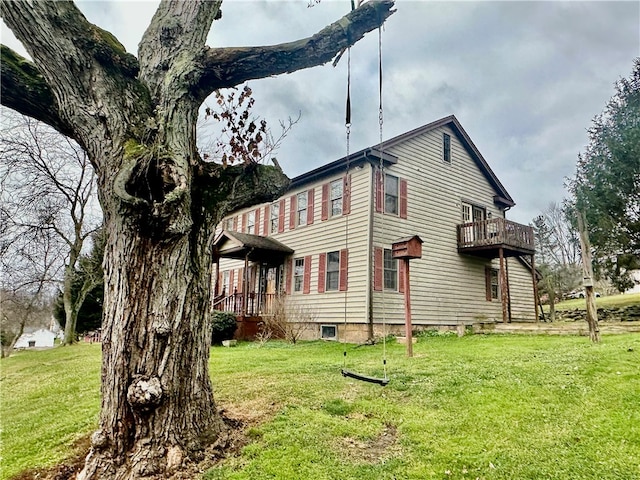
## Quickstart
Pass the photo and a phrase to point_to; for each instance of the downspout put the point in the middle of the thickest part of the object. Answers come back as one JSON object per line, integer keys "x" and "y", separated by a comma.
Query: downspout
{"x": 370, "y": 256}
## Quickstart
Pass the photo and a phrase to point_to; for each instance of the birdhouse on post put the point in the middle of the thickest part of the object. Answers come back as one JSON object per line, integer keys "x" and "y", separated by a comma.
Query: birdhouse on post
{"x": 407, "y": 248}
{"x": 404, "y": 250}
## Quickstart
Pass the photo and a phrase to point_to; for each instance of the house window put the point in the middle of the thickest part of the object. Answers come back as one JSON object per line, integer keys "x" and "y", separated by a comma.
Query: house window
{"x": 298, "y": 274}
{"x": 251, "y": 222}
{"x": 446, "y": 147}
{"x": 275, "y": 214}
{"x": 391, "y": 194}
{"x": 336, "y": 197}
{"x": 494, "y": 284}
{"x": 390, "y": 271}
{"x": 229, "y": 223}
{"x": 328, "y": 332}
{"x": 301, "y": 216}
{"x": 225, "y": 283}
{"x": 333, "y": 271}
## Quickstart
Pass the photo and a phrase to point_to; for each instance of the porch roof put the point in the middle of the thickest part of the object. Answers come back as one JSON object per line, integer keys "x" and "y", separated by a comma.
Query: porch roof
{"x": 255, "y": 248}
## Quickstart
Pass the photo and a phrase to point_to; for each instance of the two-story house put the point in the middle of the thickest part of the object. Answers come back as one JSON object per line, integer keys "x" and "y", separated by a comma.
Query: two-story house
{"x": 326, "y": 244}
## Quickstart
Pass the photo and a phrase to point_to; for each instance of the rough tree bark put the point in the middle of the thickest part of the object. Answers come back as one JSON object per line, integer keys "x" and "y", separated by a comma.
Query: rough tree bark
{"x": 136, "y": 118}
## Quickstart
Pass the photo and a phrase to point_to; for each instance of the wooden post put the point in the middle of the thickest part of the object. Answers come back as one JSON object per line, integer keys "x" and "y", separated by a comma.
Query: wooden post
{"x": 407, "y": 309}
{"x": 503, "y": 288}
{"x": 585, "y": 247}
{"x": 245, "y": 286}
{"x": 535, "y": 287}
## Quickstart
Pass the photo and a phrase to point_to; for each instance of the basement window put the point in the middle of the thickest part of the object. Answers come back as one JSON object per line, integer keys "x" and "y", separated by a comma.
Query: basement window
{"x": 328, "y": 332}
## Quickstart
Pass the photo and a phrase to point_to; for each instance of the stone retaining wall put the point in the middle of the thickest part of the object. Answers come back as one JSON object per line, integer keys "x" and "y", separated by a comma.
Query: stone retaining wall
{"x": 630, "y": 313}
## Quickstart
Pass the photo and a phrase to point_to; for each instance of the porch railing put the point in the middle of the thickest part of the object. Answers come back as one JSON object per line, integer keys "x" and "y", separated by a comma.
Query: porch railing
{"x": 257, "y": 304}
{"x": 495, "y": 232}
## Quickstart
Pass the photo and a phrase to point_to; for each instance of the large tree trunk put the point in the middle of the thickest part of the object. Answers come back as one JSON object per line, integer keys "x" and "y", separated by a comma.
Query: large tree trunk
{"x": 158, "y": 408}
{"x": 136, "y": 119}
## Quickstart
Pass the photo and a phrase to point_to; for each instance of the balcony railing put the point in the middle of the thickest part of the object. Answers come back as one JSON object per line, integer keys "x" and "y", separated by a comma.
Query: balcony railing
{"x": 257, "y": 304}
{"x": 496, "y": 232}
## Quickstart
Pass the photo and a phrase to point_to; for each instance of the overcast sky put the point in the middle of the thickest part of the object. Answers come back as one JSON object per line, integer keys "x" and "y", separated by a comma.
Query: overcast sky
{"x": 524, "y": 79}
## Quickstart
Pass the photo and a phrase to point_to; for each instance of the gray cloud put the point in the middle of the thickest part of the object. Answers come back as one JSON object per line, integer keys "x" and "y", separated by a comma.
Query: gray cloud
{"x": 524, "y": 78}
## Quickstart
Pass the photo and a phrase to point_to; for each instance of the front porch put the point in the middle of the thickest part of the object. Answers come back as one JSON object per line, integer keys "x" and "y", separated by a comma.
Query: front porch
{"x": 261, "y": 278}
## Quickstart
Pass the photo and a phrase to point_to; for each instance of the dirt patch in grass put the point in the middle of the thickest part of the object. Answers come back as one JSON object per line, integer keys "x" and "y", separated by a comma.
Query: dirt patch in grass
{"x": 229, "y": 443}
{"x": 374, "y": 450}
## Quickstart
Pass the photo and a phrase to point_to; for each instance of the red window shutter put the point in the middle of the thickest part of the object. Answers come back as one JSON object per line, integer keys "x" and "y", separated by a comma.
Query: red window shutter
{"x": 243, "y": 227}
{"x": 344, "y": 270}
{"x": 240, "y": 279}
{"x": 322, "y": 265}
{"x": 257, "y": 216}
{"x": 306, "y": 280}
{"x": 288, "y": 275}
{"x": 231, "y": 282}
{"x": 235, "y": 223}
{"x": 401, "y": 274}
{"x": 267, "y": 212}
{"x": 378, "y": 265}
{"x": 346, "y": 195}
{"x": 281, "y": 216}
{"x": 379, "y": 193}
{"x": 403, "y": 198}
{"x": 487, "y": 281}
{"x": 324, "y": 214}
{"x": 310, "y": 199}
{"x": 293, "y": 207}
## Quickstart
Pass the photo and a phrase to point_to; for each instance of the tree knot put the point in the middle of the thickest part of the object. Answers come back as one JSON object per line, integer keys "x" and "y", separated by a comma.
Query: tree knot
{"x": 99, "y": 440}
{"x": 144, "y": 393}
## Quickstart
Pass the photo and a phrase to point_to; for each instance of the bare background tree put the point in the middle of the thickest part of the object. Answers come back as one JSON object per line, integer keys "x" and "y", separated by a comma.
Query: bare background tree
{"x": 49, "y": 189}
{"x": 558, "y": 250}
{"x": 136, "y": 118}
{"x": 30, "y": 264}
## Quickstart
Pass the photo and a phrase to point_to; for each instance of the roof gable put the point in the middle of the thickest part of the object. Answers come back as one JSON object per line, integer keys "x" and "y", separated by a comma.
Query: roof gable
{"x": 502, "y": 197}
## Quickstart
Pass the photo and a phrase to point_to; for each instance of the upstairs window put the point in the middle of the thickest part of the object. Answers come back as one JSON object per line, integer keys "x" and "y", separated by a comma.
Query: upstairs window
{"x": 251, "y": 222}
{"x": 446, "y": 148}
{"x": 301, "y": 215}
{"x": 391, "y": 194}
{"x": 336, "y": 197}
{"x": 229, "y": 224}
{"x": 275, "y": 215}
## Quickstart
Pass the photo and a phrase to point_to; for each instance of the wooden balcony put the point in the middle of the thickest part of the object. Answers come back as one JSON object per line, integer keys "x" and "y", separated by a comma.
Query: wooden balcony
{"x": 486, "y": 238}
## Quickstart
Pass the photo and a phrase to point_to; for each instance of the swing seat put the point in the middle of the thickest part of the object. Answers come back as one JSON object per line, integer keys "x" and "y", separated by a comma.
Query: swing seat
{"x": 364, "y": 378}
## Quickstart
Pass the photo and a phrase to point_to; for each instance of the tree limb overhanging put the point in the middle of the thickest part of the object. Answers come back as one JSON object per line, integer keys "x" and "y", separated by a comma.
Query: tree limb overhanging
{"x": 227, "y": 67}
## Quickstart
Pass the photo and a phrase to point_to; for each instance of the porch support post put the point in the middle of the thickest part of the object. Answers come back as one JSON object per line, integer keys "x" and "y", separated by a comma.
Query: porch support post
{"x": 216, "y": 288}
{"x": 535, "y": 287}
{"x": 245, "y": 285}
{"x": 503, "y": 288}
{"x": 407, "y": 309}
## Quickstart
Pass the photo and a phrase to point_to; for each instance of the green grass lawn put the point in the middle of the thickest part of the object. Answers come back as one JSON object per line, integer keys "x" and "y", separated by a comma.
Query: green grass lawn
{"x": 476, "y": 407}
{"x": 605, "y": 302}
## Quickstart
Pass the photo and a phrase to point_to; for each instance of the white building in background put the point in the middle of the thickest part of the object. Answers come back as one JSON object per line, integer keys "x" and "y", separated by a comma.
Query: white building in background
{"x": 41, "y": 338}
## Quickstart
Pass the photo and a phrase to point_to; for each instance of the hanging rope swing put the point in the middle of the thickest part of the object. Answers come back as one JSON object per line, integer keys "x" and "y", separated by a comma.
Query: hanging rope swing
{"x": 348, "y": 373}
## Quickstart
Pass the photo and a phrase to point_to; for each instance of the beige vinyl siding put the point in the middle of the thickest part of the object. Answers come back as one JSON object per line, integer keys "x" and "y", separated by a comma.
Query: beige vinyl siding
{"x": 446, "y": 288}
{"x": 328, "y": 236}
{"x": 521, "y": 292}
{"x": 331, "y": 235}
